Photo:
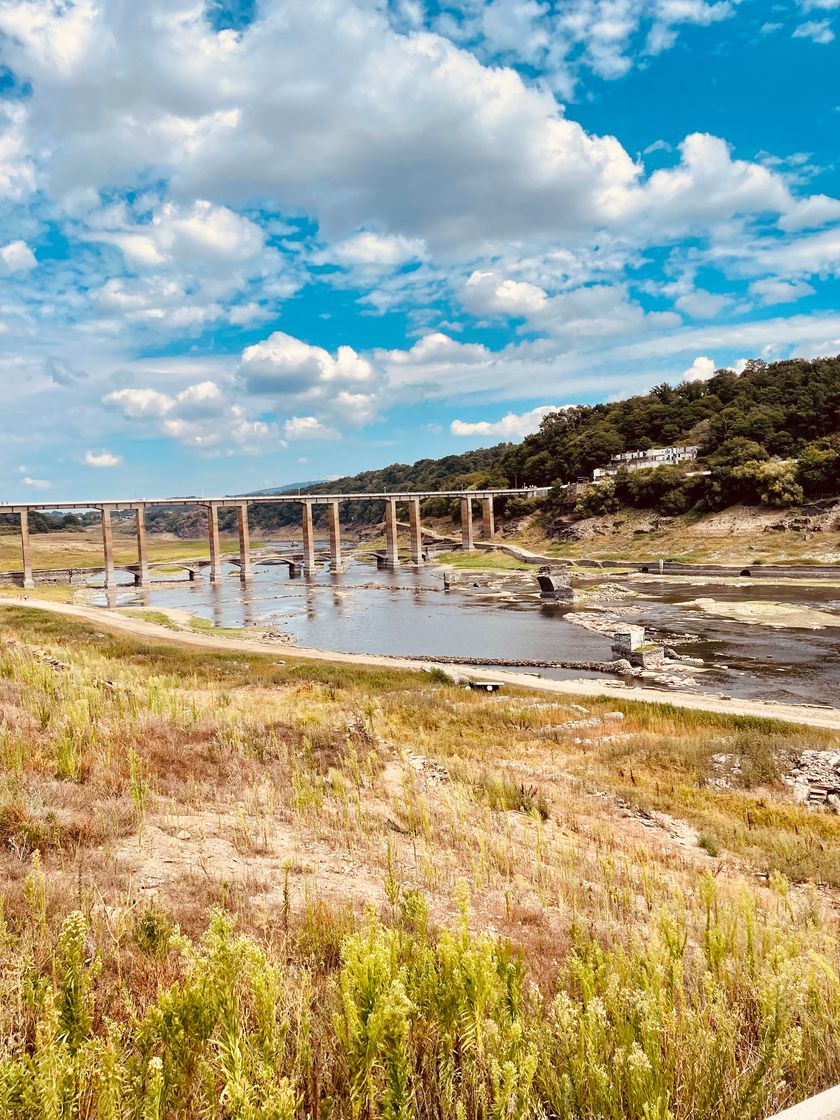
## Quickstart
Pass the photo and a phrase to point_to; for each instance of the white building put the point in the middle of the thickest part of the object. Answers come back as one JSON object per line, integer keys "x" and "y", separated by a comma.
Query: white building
{"x": 653, "y": 457}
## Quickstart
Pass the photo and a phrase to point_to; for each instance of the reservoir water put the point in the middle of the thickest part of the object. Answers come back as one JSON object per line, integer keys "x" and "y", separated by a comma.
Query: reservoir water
{"x": 406, "y": 612}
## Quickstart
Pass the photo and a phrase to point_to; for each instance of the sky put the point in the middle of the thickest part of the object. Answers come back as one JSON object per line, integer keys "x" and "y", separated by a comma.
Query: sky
{"x": 245, "y": 243}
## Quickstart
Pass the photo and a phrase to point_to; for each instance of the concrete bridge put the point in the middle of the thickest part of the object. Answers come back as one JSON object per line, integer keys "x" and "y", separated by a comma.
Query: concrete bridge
{"x": 141, "y": 570}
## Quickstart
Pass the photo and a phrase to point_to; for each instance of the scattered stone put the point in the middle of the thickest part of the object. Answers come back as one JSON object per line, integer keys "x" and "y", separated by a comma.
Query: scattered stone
{"x": 815, "y": 780}
{"x": 184, "y": 835}
{"x": 433, "y": 771}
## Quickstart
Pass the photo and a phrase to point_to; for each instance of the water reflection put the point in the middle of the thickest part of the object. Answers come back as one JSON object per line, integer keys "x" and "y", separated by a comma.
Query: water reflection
{"x": 363, "y": 609}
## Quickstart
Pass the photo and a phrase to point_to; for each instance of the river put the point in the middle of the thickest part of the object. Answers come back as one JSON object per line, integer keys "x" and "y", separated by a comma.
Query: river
{"x": 406, "y": 612}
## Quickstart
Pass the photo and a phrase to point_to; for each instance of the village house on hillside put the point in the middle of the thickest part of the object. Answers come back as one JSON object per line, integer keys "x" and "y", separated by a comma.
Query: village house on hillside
{"x": 653, "y": 457}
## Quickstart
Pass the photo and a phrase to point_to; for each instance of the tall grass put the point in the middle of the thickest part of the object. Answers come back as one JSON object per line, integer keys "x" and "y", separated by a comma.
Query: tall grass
{"x": 489, "y": 936}
{"x": 724, "y": 1011}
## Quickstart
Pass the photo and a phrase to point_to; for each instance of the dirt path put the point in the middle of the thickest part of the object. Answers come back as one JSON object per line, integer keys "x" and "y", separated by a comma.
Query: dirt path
{"x": 793, "y": 713}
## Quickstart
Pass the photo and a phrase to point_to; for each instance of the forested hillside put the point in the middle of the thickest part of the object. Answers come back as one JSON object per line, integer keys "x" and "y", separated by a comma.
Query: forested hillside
{"x": 770, "y": 435}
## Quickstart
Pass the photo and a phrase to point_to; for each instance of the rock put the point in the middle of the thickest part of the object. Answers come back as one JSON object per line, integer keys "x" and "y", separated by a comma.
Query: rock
{"x": 184, "y": 835}
{"x": 615, "y": 716}
{"x": 555, "y": 584}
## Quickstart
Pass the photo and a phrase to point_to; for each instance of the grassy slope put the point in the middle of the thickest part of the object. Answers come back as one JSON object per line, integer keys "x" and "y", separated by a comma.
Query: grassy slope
{"x": 157, "y": 781}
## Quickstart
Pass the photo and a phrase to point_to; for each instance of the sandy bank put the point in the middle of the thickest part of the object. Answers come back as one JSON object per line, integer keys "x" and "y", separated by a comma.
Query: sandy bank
{"x": 107, "y": 620}
{"x": 760, "y": 613}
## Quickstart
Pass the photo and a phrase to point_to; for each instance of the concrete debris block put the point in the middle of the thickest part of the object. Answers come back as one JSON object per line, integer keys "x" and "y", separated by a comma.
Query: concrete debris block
{"x": 627, "y": 640}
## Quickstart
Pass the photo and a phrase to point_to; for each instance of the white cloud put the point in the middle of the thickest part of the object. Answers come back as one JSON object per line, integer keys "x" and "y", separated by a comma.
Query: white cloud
{"x": 488, "y": 293}
{"x": 417, "y": 144}
{"x": 607, "y": 37}
{"x": 377, "y": 250}
{"x": 772, "y": 290}
{"x": 36, "y": 483}
{"x": 17, "y": 257}
{"x": 137, "y": 404}
{"x": 282, "y": 365}
{"x": 102, "y": 459}
{"x": 200, "y": 416}
{"x": 810, "y": 213}
{"x": 307, "y": 427}
{"x": 17, "y": 172}
{"x": 817, "y": 30}
{"x": 700, "y": 304}
{"x": 701, "y": 369}
{"x": 510, "y": 426}
{"x": 203, "y": 235}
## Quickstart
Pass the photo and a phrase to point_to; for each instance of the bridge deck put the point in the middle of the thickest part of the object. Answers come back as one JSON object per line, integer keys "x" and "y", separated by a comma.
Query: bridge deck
{"x": 268, "y": 499}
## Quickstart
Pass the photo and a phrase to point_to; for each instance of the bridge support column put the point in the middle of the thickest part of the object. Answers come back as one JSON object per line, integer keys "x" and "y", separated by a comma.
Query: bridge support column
{"x": 415, "y": 531}
{"x": 308, "y": 538}
{"x": 467, "y": 525}
{"x": 26, "y": 551}
{"x": 488, "y": 519}
{"x": 215, "y": 546}
{"x": 392, "y": 555}
{"x": 108, "y": 548}
{"x": 335, "y": 538}
{"x": 244, "y": 543}
{"x": 142, "y": 576}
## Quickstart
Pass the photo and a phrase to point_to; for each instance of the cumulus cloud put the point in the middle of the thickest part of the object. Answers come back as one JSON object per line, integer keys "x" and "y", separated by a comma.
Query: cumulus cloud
{"x": 410, "y": 132}
{"x": 36, "y": 483}
{"x": 375, "y": 250}
{"x": 102, "y": 459}
{"x": 200, "y": 416}
{"x": 202, "y": 235}
{"x": 17, "y": 257}
{"x": 488, "y": 293}
{"x": 307, "y": 427}
{"x": 511, "y": 426}
{"x": 701, "y": 369}
{"x": 284, "y": 365}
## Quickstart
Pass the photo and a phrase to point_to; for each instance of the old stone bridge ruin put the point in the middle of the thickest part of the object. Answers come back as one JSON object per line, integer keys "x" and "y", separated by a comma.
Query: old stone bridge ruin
{"x": 305, "y": 562}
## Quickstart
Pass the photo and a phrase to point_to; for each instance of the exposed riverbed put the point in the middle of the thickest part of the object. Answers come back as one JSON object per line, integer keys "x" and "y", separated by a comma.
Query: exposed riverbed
{"x": 486, "y": 615}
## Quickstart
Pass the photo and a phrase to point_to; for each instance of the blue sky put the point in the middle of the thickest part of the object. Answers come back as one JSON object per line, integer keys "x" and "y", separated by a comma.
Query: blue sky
{"x": 249, "y": 243}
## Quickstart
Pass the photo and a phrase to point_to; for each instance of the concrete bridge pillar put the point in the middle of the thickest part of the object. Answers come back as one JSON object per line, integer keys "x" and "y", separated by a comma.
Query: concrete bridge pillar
{"x": 108, "y": 548}
{"x": 392, "y": 555}
{"x": 335, "y": 538}
{"x": 244, "y": 543}
{"x": 308, "y": 538}
{"x": 142, "y": 575}
{"x": 215, "y": 546}
{"x": 25, "y": 550}
{"x": 488, "y": 519}
{"x": 415, "y": 531}
{"x": 467, "y": 540}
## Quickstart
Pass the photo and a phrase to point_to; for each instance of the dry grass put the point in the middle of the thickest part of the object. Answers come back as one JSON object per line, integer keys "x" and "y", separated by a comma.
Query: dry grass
{"x": 637, "y": 966}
